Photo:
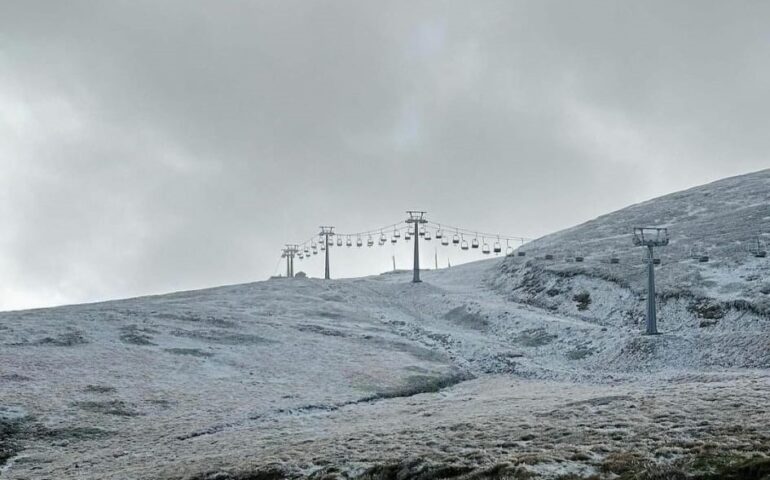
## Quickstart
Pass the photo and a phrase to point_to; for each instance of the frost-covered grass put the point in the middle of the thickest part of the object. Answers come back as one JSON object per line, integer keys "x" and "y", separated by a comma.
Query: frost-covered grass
{"x": 507, "y": 368}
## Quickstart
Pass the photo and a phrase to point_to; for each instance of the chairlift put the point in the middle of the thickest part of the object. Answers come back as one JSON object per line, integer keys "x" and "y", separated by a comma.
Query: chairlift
{"x": 456, "y": 239}
{"x": 307, "y": 251}
{"x": 300, "y": 255}
{"x": 758, "y": 248}
{"x": 475, "y": 242}
{"x": 315, "y": 250}
{"x": 283, "y": 255}
{"x": 422, "y": 231}
{"x": 444, "y": 241}
{"x": 396, "y": 233}
{"x": 393, "y": 239}
{"x": 349, "y": 242}
{"x": 497, "y": 248}
{"x": 407, "y": 235}
{"x": 439, "y": 233}
{"x": 359, "y": 242}
{"x": 323, "y": 246}
{"x": 464, "y": 244}
{"x": 427, "y": 235}
{"x": 485, "y": 248}
{"x": 339, "y": 241}
{"x": 383, "y": 239}
{"x": 370, "y": 241}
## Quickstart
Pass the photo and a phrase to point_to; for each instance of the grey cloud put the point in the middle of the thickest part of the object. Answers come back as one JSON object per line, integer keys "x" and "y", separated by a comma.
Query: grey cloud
{"x": 149, "y": 146}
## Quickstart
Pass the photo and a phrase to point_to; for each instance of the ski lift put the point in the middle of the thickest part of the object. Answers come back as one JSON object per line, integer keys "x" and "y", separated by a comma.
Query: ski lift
{"x": 485, "y": 248}
{"x": 422, "y": 231}
{"x": 444, "y": 241}
{"x": 758, "y": 248}
{"x": 383, "y": 239}
{"x": 407, "y": 235}
{"x": 323, "y": 246}
{"x": 698, "y": 253}
{"x": 475, "y": 242}
{"x": 497, "y": 248}
{"x": 393, "y": 239}
{"x": 283, "y": 254}
{"x": 456, "y": 239}
{"x": 300, "y": 255}
{"x": 315, "y": 250}
{"x": 464, "y": 244}
{"x": 349, "y": 242}
{"x": 339, "y": 241}
{"x": 439, "y": 233}
{"x": 427, "y": 235}
{"x": 359, "y": 242}
{"x": 307, "y": 251}
{"x": 370, "y": 241}
{"x": 396, "y": 233}
{"x": 508, "y": 248}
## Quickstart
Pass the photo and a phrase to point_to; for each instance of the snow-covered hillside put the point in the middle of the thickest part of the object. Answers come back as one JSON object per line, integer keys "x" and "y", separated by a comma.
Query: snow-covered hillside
{"x": 499, "y": 368}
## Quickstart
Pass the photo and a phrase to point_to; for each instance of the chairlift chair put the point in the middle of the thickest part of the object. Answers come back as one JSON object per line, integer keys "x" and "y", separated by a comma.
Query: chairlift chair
{"x": 456, "y": 239}
{"x": 464, "y": 244}
{"x": 300, "y": 255}
{"x": 315, "y": 250}
{"x": 439, "y": 234}
{"x": 422, "y": 231}
{"x": 370, "y": 241}
{"x": 359, "y": 242}
{"x": 323, "y": 246}
{"x": 444, "y": 241}
{"x": 307, "y": 251}
{"x": 349, "y": 242}
{"x": 407, "y": 235}
{"x": 497, "y": 248}
{"x": 339, "y": 241}
{"x": 383, "y": 239}
{"x": 396, "y": 233}
{"x": 485, "y": 248}
{"x": 427, "y": 235}
{"x": 393, "y": 239}
{"x": 758, "y": 248}
{"x": 475, "y": 243}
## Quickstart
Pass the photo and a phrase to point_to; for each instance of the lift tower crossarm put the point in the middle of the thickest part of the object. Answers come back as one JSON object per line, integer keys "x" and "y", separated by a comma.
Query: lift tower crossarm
{"x": 416, "y": 217}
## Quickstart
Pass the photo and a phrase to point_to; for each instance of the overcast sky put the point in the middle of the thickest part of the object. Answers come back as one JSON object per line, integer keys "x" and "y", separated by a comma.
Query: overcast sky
{"x": 150, "y": 146}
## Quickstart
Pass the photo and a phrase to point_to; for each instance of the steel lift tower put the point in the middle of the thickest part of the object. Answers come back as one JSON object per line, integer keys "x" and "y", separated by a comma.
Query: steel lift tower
{"x": 289, "y": 252}
{"x": 326, "y": 232}
{"x": 417, "y": 218}
{"x": 651, "y": 237}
